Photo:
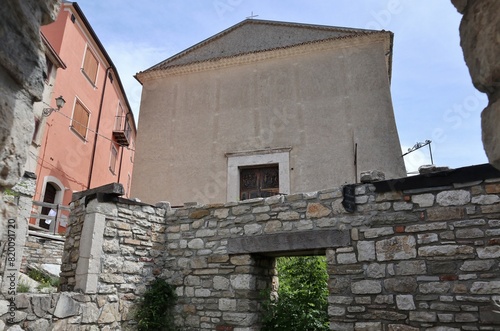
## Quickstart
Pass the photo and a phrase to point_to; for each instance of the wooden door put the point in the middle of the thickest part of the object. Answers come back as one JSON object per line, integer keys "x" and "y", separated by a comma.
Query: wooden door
{"x": 259, "y": 182}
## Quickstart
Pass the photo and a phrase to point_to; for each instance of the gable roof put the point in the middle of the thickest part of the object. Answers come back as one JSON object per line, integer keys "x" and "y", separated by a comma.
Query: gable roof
{"x": 254, "y": 36}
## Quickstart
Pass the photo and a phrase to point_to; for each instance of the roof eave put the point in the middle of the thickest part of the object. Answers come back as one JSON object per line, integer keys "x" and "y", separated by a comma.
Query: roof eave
{"x": 106, "y": 55}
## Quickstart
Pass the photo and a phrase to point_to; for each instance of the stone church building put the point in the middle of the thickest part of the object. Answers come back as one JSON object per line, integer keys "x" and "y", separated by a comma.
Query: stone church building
{"x": 267, "y": 107}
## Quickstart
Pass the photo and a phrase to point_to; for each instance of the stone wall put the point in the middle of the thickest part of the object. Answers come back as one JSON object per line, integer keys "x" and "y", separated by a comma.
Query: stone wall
{"x": 413, "y": 254}
{"x": 42, "y": 249}
{"x": 417, "y": 258}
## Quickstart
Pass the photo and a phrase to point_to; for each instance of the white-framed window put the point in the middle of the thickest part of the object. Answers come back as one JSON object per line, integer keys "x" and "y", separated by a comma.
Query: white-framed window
{"x": 260, "y": 158}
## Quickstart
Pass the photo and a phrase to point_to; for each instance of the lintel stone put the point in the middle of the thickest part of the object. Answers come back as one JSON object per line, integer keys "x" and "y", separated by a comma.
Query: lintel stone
{"x": 289, "y": 242}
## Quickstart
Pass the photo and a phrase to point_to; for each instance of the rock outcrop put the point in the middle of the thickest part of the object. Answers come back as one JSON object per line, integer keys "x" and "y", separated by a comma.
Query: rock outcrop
{"x": 480, "y": 36}
{"x": 22, "y": 63}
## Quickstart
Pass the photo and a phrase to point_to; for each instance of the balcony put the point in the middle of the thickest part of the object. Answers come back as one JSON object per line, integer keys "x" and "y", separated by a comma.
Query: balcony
{"x": 121, "y": 131}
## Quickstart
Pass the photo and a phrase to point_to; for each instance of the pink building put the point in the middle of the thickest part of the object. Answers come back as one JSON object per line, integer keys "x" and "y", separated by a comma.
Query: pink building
{"x": 88, "y": 142}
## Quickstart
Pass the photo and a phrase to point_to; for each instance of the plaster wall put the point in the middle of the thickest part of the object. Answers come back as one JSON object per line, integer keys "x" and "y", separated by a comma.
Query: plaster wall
{"x": 319, "y": 104}
{"x": 64, "y": 154}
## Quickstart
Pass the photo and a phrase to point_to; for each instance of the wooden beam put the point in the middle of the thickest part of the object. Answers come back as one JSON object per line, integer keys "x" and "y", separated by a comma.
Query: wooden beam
{"x": 304, "y": 241}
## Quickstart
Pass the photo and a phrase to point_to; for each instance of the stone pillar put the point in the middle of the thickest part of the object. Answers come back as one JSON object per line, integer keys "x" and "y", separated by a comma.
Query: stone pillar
{"x": 81, "y": 261}
{"x": 479, "y": 40}
{"x": 91, "y": 241}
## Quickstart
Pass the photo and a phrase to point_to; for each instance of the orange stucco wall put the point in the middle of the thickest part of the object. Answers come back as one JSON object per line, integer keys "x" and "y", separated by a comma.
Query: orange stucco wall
{"x": 64, "y": 154}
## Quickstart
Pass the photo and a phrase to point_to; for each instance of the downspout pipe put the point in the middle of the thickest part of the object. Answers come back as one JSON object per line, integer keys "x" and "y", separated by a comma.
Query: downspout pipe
{"x": 97, "y": 127}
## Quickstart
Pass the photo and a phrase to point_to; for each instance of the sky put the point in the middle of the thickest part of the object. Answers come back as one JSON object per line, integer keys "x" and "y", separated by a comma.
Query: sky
{"x": 432, "y": 93}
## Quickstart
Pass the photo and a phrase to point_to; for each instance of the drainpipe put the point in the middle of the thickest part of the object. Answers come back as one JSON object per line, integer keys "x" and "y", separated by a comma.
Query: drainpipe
{"x": 97, "y": 127}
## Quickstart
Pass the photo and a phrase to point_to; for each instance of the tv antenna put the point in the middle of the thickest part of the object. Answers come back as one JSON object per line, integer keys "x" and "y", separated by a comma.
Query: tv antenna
{"x": 418, "y": 146}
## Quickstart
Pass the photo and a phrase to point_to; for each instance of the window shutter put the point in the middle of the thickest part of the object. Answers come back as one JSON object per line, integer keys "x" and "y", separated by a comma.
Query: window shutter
{"x": 80, "y": 120}
{"x": 90, "y": 66}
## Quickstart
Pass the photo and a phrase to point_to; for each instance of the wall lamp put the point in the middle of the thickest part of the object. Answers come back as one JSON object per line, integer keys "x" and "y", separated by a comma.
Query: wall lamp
{"x": 59, "y": 103}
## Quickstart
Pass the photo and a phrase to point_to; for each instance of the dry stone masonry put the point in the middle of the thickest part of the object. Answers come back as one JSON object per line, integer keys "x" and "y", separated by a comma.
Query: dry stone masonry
{"x": 418, "y": 253}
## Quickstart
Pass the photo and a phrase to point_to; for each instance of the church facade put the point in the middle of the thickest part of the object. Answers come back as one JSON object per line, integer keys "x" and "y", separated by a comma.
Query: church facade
{"x": 263, "y": 108}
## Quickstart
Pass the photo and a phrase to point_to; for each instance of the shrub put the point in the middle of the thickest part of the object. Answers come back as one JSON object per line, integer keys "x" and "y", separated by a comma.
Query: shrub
{"x": 302, "y": 296}
{"x": 156, "y": 309}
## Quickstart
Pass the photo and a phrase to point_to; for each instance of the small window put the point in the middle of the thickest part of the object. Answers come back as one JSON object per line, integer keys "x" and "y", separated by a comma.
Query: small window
{"x": 259, "y": 182}
{"x": 80, "y": 120}
{"x": 112, "y": 159}
{"x": 90, "y": 66}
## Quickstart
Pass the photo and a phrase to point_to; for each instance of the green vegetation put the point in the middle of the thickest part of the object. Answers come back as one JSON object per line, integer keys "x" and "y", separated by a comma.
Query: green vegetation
{"x": 302, "y": 296}
{"x": 44, "y": 279}
{"x": 156, "y": 310}
{"x": 23, "y": 288}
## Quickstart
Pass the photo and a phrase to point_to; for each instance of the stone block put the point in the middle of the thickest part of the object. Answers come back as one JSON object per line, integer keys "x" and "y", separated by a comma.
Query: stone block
{"x": 453, "y": 198}
{"x": 474, "y": 266}
{"x": 346, "y": 258}
{"x": 469, "y": 233}
{"x": 288, "y": 216}
{"x": 199, "y": 213}
{"x": 396, "y": 248}
{"x": 445, "y": 250}
{"x": 339, "y": 326}
{"x": 401, "y": 327}
{"x": 366, "y": 287}
{"x": 366, "y": 251}
{"x": 66, "y": 307}
{"x": 221, "y": 283}
{"x": 240, "y": 210}
{"x": 445, "y": 213}
{"x": 317, "y": 210}
{"x": 427, "y": 238}
{"x": 243, "y": 282}
{"x": 441, "y": 267}
{"x": 227, "y": 304}
{"x": 405, "y": 302}
{"x": 196, "y": 243}
{"x": 375, "y": 270}
{"x": 486, "y": 199}
{"x": 371, "y": 176}
{"x": 406, "y": 268}
{"x": 492, "y": 287}
{"x": 336, "y": 311}
{"x": 400, "y": 284}
{"x": 401, "y": 205}
{"x": 434, "y": 287}
{"x": 423, "y": 316}
{"x": 378, "y": 232}
{"x": 423, "y": 200}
